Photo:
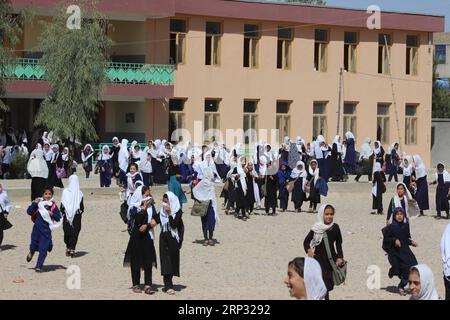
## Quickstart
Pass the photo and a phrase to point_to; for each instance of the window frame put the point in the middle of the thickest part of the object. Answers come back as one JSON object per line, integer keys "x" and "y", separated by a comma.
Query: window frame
{"x": 253, "y": 40}
{"x": 285, "y": 118}
{"x": 349, "y": 117}
{"x": 322, "y": 119}
{"x": 209, "y": 116}
{"x": 385, "y": 55}
{"x": 252, "y": 117}
{"x": 413, "y": 52}
{"x": 214, "y": 38}
{"x": 385, "y": 120}
{"x": 348, "y": 51}
{"x": 322, "y": 46}
{"x": 177, "y": 37}
{"x": 286, "y": 64}
{"x": 411, "y": 121}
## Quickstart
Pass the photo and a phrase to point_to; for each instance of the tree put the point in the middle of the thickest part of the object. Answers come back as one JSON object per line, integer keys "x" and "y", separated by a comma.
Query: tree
{"x": 9, "y": 37}
{"x": 313, "y": 2}
{"x": 75, "y": 62}
{"x": 441, "y": 98}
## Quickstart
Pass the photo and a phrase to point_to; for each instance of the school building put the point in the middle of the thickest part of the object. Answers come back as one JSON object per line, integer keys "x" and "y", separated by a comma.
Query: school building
{"x": 251, "y": 64}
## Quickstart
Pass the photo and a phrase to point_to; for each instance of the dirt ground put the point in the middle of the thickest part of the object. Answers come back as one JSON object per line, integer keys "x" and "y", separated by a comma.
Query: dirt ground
{"x": 248, "y": 262}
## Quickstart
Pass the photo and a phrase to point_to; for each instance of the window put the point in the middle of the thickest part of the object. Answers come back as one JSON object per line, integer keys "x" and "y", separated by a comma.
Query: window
{"x": 212, "y": 49}
{"x": 320, "y": 119}
{"x": 383, "y": 121}
{"x": 384, "y": 52}
{"x": 412, "y": 52}
{"x": 284, "y": 47}
{"x": 350, "y": 117}
{"x": 441, "y": 54}
{"x": 411, "y": 124}
{"x": 176, "y": 116}
{"x": 320, "y": 50}
{"x": 250, "y": 120}
{"x": 177, "y": 41}
{"x": 129, "y": 117}
{"x": 251, "y": 45}
{"x": 212, "y": 118}
{"x": 350, "y": 44}
{"x": 283, "y": 119}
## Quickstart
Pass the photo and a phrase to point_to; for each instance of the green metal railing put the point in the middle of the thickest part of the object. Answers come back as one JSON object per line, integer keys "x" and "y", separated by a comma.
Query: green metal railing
{"x": 117, "y": 72}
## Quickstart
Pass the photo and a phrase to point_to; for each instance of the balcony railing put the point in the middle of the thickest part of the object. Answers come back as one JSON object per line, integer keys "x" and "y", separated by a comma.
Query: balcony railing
{"x": 117, "y": 72}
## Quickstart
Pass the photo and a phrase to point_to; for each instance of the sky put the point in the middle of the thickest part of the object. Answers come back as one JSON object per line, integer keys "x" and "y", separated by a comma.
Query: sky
{"x": 439, "y": 7}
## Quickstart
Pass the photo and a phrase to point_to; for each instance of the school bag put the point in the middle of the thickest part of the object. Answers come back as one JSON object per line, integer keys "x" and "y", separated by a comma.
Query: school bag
{"x": 339, "y": 272}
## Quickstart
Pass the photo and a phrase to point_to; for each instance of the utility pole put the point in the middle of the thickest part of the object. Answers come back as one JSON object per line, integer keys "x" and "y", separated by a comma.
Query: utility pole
{"x": 341, "y": 85}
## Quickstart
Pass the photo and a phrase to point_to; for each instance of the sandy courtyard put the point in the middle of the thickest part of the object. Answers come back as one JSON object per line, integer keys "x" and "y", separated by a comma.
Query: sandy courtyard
{"x": 249, "y": 262}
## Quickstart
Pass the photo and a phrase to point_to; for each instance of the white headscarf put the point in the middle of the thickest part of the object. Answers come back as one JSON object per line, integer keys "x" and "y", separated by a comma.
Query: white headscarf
{"x": 123, "y": 155}
{"x": 376, "y": 168}
{"x": 45, "y": 214}
{"x": 297, "y": 172}
{"x": 319, "y": 228}
{"x": 65, "y": 156}
{"x": 349, "y": 135}
{"x": 4, "y": 200}
{"x": 105, "y": 156}
{"x": 338, "y": 144}
{"x": 375, "y": 149}
{"x": 242, "y": 175}
{"x": 135, "y": 200}
{"x": 427, "y": 288}
{"x": 37, "y": 167}
{"x": 410, "y": 212}
{"x": 262, "y": 165}
{"x": 420, "y": 169}
{"x": 71, "y": 198}
{"x": 175, "y": 206}
{"x": 145, "y": 165}
{"x": 205, "y": 190}
{"x": 314, "y": 173}
{"x": 115, "y": 141}
{"x": 407, "y": 170}
{"x": 312, "y": 275}
{"x": 445, "y": 174}
{"x": 366, "y": 150}
{"x": 445, "y": 251}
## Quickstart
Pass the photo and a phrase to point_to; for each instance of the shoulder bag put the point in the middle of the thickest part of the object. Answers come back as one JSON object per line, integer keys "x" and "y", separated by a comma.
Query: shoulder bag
{"x": 339, "y": 272}
{"x": 200, "y": 208}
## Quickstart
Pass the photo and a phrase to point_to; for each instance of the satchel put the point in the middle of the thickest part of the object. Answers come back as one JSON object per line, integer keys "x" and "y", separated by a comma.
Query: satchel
{"x": 226, "y": 185}
{"x": 290, "y": 186}
{"x": 4, "y": 223}
{"x": 200, "y": 208}
{"x": 339, "y": 273}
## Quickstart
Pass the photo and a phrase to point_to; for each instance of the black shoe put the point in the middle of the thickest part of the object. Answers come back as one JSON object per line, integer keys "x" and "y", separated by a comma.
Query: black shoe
{"x": 438, "y": 217}
{"x": 30, "y": 256}
{"x": 391, "y": 273}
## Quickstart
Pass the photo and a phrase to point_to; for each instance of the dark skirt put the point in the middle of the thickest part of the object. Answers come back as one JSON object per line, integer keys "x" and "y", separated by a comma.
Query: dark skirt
{"x": 298, "y": 195}
{"x": 323, "y": 168}
{"x": 377, "y": 202}
{"x": 210, "y": 219}
{"x": 71, "y": 232}
{"x": 222, "y": 170}
{"x": 422, "y": 193}
{"x": 159, "y": 172}
{"x": 140, "y": 251}
{"x": 169, "y": 253}
{"x": 270, "y": 199}
{"x": 283, "y": 196}
{"x": 37, "y": 187}
{"x": 441, "y": 198}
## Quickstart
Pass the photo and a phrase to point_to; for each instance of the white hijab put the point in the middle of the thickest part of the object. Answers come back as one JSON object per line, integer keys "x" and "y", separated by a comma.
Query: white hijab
{"x": 445, "y": 251}
{"x": 71, "y": 198}
{"x": 407, "y": 170}
{"x": 427, "y": 288}
{"x": 175, "y": 206}
{"x": 349, "y": 135}
{"x": 45, "y": 214}
{"x": 376, "y": 168}
{"x": 105, "y": 156}
{"x": 37, "y": 167}
{"x": 319, "y": 228}
{"x": 315, "y": 287}
{"x": 242, "y": 175}
{"x": 420, "y": 169}
{"x": 205, "y": 190}
{"x": 410, "y": 212}
{"x": 262, "y": 165}
{"x": 314, "y": 173}
{"x": 366, "y": 150}
{"x": 135, "y": 201}
{"x": 299, "y": 172}
{"x": 5, "y": 204}
{"x": 123, "y": 155}
{"x": 445, "y": 174}
{"x": 65, "y": 156}
{"x": 338, "y": 144}
{"x": 377, "y": 150}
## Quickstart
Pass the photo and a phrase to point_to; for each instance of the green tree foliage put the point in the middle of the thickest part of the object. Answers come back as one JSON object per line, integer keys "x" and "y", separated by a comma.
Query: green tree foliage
{"x": 75, "y": 61}
{"x": 441, "y": 99}
{"x": 9, "y": 37}
{"x": 313, "y": 2}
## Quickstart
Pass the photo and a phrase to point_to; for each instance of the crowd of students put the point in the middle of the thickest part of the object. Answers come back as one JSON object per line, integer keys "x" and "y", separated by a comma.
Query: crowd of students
{"x": 297, "y": 171}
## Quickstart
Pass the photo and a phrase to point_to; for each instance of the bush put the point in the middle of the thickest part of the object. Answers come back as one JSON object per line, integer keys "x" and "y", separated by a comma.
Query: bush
{"x": 19, "y": 167}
